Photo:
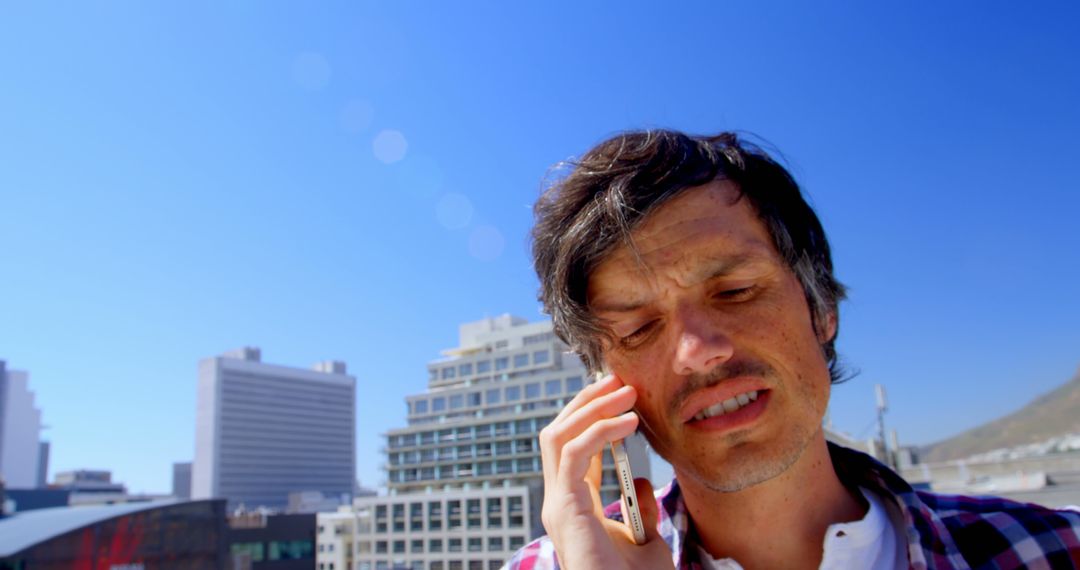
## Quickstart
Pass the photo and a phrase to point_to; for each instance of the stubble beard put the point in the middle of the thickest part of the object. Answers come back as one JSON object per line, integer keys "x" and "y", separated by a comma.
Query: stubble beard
{"x": 746, "y": 463}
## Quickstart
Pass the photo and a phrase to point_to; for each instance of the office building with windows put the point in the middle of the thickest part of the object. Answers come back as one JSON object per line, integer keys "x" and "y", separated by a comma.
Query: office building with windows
{"x": 465, "y": 482}
{"x": 264, "y": 431}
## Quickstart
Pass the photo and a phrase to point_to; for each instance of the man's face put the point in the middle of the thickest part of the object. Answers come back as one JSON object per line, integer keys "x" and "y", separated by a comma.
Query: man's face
{"x": 710, "y": 319}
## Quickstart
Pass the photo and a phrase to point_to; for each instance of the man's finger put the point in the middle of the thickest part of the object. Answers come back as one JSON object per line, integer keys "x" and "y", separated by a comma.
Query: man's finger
{"x": 602, "y": 386}
{"x": 567, "y": 428}
{"x": 576, "y": 456}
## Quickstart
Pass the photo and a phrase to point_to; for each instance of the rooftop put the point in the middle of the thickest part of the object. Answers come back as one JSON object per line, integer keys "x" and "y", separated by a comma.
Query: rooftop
{"x": 23, "y": 530}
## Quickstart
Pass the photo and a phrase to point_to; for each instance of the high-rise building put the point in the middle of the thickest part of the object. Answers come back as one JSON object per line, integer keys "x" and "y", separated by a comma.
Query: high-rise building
{"x": 43, "y": 465}
{"x": 465, "y": 483}
{"x": 20, "y": 431}
{"x": 264, "y": 431}
{"x": 181, "y": 480}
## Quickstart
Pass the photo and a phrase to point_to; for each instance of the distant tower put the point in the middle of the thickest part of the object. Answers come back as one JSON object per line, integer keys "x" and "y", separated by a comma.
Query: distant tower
{"x": 181, "y": 480}
{"x": 263, "y": 431}
{"x": 20, "y": 430}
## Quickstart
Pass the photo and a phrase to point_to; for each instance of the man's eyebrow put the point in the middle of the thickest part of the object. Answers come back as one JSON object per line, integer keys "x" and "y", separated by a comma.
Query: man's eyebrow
{"x": 711, "y": 269}
{"x": 722, "y": 267}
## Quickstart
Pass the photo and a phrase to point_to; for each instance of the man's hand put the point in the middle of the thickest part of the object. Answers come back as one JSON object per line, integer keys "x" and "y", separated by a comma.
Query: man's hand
{"x": 573, "y": 516}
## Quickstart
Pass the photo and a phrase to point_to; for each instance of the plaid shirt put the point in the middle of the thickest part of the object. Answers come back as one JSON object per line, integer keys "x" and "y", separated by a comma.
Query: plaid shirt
{"x": 943, "y": 531}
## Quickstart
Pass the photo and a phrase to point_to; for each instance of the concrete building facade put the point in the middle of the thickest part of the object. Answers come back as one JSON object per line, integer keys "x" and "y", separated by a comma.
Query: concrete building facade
{"x": 470, "y": 455}
{"x": 264, "y": 431}
{"x": 20, "y": 431}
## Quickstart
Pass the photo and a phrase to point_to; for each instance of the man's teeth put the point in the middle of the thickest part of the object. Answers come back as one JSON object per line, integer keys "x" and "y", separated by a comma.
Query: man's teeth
{"x": 727, "y": 406}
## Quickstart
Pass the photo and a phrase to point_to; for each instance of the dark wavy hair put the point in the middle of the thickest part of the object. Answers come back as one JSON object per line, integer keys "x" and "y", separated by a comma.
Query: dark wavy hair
{"x": 586, "y": 215}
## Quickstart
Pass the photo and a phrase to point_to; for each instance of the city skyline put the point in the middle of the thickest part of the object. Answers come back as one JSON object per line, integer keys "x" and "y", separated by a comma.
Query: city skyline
{"x": 350, "y": 182}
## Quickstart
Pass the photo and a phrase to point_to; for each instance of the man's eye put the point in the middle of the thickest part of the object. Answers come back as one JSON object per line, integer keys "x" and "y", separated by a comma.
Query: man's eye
{"x": 638, "y": 335}
{"x": 738, "y": 294}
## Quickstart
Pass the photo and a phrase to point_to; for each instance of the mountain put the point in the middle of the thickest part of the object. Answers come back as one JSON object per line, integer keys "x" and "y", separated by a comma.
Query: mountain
{"x": 1052, "y": 414}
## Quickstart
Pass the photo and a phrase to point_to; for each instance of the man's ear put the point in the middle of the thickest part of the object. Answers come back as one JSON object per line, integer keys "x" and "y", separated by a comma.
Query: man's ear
{"x": 827, "y": 329}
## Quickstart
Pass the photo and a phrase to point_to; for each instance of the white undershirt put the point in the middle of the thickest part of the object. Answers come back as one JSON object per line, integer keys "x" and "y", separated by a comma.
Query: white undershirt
{"x": 876, "y": 542}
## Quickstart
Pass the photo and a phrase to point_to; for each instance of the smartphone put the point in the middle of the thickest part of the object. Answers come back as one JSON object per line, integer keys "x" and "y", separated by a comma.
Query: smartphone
{"x": 631, "y": 510}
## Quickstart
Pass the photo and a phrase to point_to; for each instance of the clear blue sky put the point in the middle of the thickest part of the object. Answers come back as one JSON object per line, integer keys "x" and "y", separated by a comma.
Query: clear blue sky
{"x": 353, "y": 181}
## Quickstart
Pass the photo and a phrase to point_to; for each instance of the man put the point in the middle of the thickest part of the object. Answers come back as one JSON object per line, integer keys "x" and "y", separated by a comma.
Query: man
{"x": 693, "y": 274}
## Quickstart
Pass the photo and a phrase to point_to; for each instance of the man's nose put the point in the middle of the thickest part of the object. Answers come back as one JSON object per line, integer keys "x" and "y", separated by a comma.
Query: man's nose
{"x": 702, "y": 344}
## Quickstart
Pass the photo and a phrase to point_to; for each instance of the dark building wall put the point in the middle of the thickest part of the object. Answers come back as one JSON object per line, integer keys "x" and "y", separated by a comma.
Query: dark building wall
{"x": 31, "y": 499}
{"x": 295, "y": 538}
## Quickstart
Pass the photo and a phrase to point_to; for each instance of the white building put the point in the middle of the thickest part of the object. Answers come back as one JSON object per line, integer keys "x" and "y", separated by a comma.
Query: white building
{"x": 264, "y": 431}
{"x": 20, "y": 432}
{"x": 476, "y": 529}
{"x": 465, "y": 480}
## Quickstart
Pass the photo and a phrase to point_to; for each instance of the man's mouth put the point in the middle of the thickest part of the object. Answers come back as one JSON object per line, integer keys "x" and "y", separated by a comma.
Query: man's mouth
{"x": 727, "y": 406}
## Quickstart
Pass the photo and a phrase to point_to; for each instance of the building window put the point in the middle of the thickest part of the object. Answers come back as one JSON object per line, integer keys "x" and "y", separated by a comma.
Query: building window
{"x": 474, "y": 399}
{"x": 476, "y": 544}
{"x": 552, "y": 387}
{"x": 524, "y": 446}
{"x": 399, "y": 547}
{"x": 448, "y": 372}
{"x": 457, "y": 401}
{"x": 573, "y": 384}
{"x": 502, "y": 363}
{"x": 483, "y": 468}
{"x": 537, "y": 338}
{"x": 483, "y": 366}
{"x": 524, "y": 465}
{"x": 380, "y": 547}
{"x": 541, "y": 357}
{"x": 521, "y": 360}
{"x": 495, "y": 543}
{"x": 513, "y": 393}
{"x": 438, "y": 404}
{"x": 494, "y": 396}
{"x": 532, "y": 391}
{"x": 254, "y": 549}
{"x": 420, "y": 407}
{"x": 290, "y": 549}
{"x": 516, "y": 542}
{"x": 434, "y": 545}
{"x": 455, "y": 545}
